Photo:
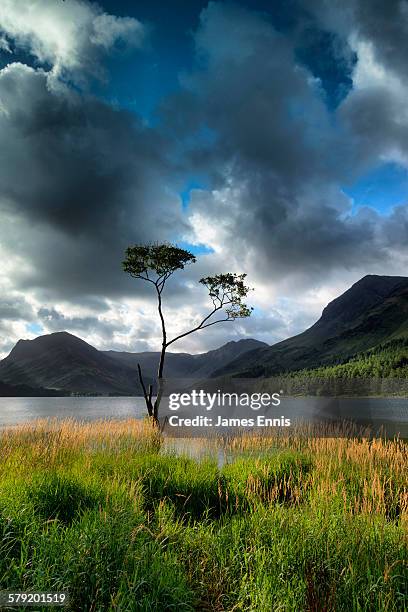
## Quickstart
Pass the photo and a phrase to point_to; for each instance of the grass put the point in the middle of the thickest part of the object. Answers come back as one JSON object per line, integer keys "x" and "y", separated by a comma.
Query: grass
{"x": 286, "y": 524}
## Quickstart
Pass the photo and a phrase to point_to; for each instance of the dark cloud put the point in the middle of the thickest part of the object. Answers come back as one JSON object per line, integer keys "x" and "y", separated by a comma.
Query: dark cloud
{"x": 330, "y": 59}
{"x": 15, "y": 308}
{"x": 279, "y": 158}
{"x": 396, "y": 229}
{"x": 86, "y": 180}
{"x": 373, "y": 115}
{"x": 383, "y": 23}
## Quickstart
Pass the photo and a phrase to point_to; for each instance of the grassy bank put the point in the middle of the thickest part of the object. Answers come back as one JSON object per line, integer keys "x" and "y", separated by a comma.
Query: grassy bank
{"x": 289, "y": 524}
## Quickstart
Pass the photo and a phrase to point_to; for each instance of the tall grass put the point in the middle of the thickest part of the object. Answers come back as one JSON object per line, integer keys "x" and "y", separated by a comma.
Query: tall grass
{"x": 286, "y": 523}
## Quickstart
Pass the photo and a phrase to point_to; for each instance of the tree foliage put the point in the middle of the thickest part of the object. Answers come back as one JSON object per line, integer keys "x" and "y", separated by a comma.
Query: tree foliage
{"x": 227, "y": 292}
{"x": 161, "y": 259}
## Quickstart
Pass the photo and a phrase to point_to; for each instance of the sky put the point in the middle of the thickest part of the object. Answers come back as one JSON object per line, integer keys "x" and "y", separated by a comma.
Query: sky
{"x": 269, "y": 138}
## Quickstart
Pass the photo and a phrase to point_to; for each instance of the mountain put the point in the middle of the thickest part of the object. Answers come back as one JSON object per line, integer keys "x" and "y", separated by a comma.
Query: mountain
{"x": 372, "y": 312}
{"x": 64, "y": 362}
{"x": 181, "y": 365}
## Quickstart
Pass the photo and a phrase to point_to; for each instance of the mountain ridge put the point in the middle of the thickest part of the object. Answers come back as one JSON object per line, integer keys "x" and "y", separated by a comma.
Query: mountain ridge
{"x": 184, "y": 364}
{"x": 371, "y": 311}
{"x": 62, "y": 361}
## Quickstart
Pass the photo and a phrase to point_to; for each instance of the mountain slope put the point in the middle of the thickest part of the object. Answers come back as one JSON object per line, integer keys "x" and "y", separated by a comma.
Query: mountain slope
{"x": 373, "y": 311}
{"x": 63, "y": 361}
{"x": 67, "y": 363}
{"x": 387, "y": 360}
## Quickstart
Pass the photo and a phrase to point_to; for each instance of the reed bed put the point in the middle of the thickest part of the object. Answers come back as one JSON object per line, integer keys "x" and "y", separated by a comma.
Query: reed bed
{"x": 125, "y": 519}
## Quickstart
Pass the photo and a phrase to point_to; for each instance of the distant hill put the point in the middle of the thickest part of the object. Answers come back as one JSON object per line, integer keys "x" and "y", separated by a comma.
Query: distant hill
{"x": 179, "y": 365}
{"x": 372, "y": 312}
{"x": 63, "y": 362}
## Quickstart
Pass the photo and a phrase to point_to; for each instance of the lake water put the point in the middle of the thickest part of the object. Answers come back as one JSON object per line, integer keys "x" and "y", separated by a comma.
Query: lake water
{"x": 389, "y": 413}
{"x": 15, "y": 410}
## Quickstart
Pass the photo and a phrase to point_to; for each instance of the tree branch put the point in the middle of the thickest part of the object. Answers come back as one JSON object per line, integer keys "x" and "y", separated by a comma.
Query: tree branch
{"x": 202, "y": 325}
{"x": 145, "y": 278}
{"x": 217, "y": 321}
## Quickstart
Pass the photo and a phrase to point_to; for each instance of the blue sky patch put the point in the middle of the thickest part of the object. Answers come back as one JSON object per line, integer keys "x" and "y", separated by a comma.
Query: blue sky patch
{"x": 34, "y": 328}
{"x": 382, "y": 188}
{"x": 185, "y": 194}
{"x": 195, "y": 249}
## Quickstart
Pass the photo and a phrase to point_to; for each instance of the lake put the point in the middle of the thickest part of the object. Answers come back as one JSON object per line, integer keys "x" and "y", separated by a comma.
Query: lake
{"x": 389, "y": 413}
{"x": 15, "y": 410}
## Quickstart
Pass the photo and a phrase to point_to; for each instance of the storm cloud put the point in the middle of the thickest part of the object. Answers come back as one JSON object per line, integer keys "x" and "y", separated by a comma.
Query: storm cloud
{"x": 280, "y": 156}
{"x": 81, "y": 176}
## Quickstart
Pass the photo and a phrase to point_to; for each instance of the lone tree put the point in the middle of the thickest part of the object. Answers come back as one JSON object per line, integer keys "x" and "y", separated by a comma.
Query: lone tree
{"x": 155, "y": 263}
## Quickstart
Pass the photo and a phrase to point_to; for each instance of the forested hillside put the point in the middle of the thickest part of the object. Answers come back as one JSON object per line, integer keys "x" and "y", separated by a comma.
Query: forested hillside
{"x": 386, "y": 360}
{"x": 382, "y": 370}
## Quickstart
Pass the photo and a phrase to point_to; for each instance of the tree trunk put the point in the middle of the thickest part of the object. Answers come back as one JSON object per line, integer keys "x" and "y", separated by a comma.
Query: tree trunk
{"x": 160, "y": 380}
{"x": 160, "y": 385}
{"x": 146, "y": 394}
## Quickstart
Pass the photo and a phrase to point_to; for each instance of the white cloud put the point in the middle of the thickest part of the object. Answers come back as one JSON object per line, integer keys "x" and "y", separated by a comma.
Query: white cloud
{"x": 69, "y": 36}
